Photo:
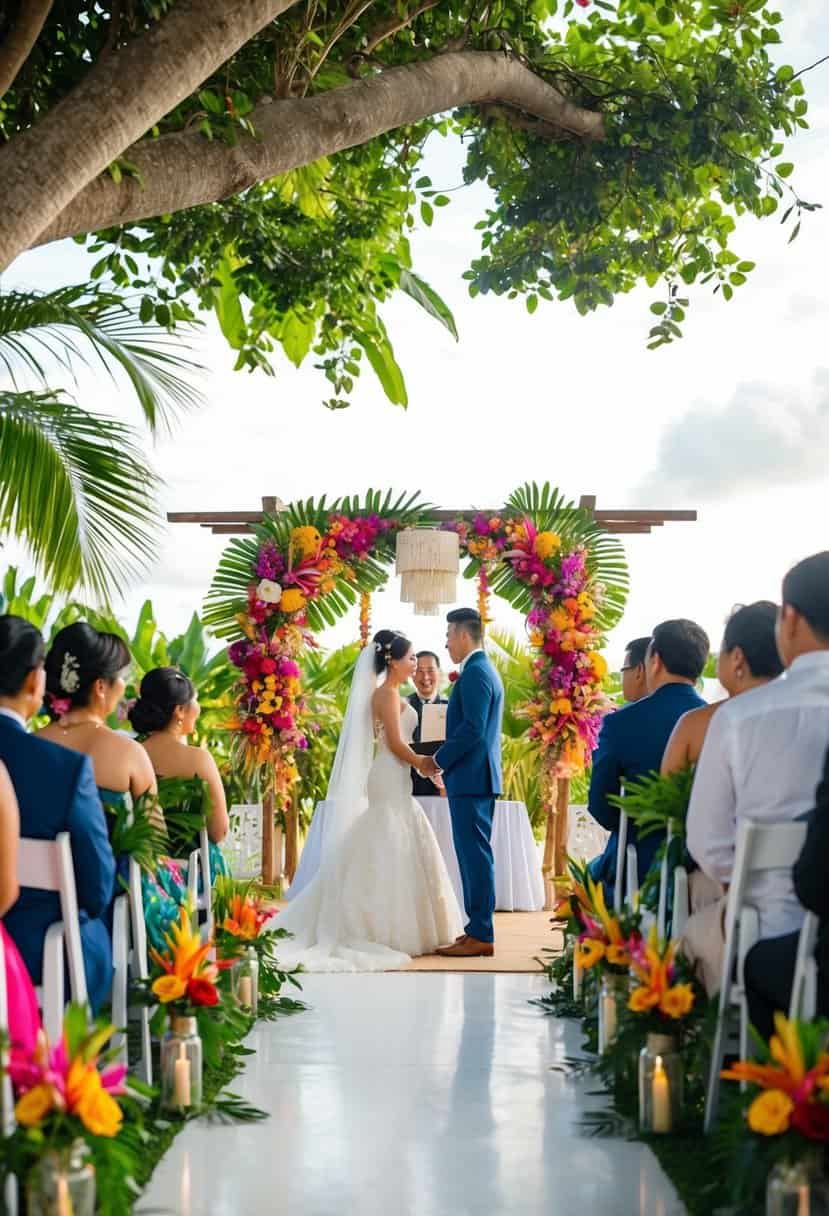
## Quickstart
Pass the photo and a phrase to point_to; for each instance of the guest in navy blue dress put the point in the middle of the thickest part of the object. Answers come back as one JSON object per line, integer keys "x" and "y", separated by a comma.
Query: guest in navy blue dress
{"x": 56, "y": 792}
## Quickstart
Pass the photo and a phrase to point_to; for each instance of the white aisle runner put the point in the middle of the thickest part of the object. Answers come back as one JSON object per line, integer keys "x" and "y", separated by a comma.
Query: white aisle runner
{"x": 412, "y": 1095}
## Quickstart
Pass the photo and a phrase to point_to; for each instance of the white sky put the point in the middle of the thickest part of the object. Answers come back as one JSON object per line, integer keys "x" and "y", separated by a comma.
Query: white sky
{"x": 733, "y": 420}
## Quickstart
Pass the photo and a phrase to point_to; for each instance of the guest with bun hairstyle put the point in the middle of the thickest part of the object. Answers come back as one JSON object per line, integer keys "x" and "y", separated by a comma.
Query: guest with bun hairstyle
{"x": 164, "y": 716}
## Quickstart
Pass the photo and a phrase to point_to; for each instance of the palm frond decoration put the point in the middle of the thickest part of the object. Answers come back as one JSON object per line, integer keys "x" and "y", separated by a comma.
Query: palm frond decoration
{"x": 74, "y": 486}
{"x": 551, "y": 512}
{"x": 84, "y": 326}
{"x": 227, "y": 596}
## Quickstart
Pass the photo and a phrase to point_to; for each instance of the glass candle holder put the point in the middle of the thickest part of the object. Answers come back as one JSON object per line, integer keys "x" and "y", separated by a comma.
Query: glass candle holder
{"x": 611, "y": 990}
{"x": 660, "y": 1085}
{"x": 181, "y": 1066}
{"x": 798, "y": 1188}
{"x": 62, "y": 1183}
{"x": 244, "y": 979}
{"x": 578, "y": 981}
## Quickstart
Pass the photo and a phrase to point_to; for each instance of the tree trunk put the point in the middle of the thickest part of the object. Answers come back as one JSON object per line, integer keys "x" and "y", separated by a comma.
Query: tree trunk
{"x": 185, "y": 169}
{"x": 120, "y": 100}
{"x": 21, "y": 38}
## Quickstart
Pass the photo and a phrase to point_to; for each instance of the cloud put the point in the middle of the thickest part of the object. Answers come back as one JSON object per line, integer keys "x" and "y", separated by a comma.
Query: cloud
{"x": 762, "y": 438}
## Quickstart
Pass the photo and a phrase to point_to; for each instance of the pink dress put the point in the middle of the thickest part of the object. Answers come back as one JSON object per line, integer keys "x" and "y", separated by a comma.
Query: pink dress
{"x": 24, "y": 1018}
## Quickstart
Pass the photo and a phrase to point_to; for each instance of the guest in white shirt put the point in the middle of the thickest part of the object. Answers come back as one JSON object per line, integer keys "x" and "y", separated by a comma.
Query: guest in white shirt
{"x": 762, "y": 759}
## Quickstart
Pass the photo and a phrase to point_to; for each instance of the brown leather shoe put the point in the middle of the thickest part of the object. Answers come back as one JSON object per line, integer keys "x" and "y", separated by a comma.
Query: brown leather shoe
{"x": 468, "y": 947}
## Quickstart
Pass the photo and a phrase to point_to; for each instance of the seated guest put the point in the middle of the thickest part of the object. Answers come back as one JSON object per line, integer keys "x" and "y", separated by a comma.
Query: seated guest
{"x": 633, "y": 739}
{"x": 427, "y": 682}
{"x": 56, "y": 792}
{"x": 85, "y": 681}
{"x": 164, "y": 716}
{"x": 769, "y": 966}
{"x": 23, "y": 1017}
{"x": 634, "y": 678}
{"x": 748, "y": 659}
{"x": 761, "y": 759}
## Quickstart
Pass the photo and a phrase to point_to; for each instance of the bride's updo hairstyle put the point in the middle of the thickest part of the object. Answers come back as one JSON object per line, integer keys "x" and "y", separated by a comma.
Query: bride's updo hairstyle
{"x": 163, "y": 690}
{"x": 388, "y": 646}
{"x": 79, "y": 656}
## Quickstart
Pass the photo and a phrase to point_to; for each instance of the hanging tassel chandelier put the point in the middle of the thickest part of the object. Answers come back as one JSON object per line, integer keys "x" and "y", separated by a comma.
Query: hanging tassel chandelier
{"x": 427, "y": 561}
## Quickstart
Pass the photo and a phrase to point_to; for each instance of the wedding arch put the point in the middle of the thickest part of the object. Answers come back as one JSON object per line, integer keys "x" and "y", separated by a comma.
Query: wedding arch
{"x": 304, "y": 565}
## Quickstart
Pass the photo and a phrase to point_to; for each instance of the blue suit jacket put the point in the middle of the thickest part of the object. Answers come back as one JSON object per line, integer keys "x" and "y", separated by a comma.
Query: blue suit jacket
{"x": 471, "y": 756}
{"x": 631, "y": 744}
{"x": 56, "y": 792}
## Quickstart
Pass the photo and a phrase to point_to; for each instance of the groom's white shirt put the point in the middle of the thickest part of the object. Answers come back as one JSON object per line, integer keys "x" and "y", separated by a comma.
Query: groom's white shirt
{"x": 463, "y": 662}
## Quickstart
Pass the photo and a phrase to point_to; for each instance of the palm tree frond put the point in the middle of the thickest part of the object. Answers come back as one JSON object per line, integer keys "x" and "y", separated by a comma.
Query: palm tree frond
{"x": 74, "y": 486}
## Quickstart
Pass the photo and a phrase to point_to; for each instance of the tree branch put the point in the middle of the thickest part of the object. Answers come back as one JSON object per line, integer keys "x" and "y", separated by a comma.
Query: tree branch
{"x": 186, "y": 170}
{"x": 122, "y": 98}
{"x": 394, "y": 25}
{"x": 18, "y": 43}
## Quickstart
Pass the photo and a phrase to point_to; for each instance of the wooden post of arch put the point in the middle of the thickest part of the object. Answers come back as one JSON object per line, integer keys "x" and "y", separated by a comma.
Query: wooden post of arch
{"x": 268, "y": 857}
{"x": 554, "y": 864}
{"x": 292, "y": 835}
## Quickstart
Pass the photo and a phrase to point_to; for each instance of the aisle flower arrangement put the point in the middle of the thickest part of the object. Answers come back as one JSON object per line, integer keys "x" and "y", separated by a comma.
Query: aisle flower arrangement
{"x": 71, "y": 1101}
{"x": 245, "y": 921}
{"x": 602, "y": 939}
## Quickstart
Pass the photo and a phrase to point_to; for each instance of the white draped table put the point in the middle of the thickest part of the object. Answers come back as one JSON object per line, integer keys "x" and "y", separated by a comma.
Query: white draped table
{"x": 519, "y": 886}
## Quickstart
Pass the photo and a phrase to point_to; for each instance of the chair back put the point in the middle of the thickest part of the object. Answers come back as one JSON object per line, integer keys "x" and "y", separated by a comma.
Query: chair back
{"x": 803, "y": 1004}
{"x": 760, "y": 847}
{"x": 621, "y": 854}
{"x": 207, "y": 879}
{"x": 46, "y": 865}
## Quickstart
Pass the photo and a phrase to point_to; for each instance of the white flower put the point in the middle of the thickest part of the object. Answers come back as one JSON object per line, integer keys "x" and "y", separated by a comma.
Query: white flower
{"x": 269, "y": 592}
{"x": 69, "y": 678}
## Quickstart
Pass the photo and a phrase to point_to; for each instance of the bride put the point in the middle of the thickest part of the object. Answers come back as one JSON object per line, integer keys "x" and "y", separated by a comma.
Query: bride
{"x": 382, "y": 893}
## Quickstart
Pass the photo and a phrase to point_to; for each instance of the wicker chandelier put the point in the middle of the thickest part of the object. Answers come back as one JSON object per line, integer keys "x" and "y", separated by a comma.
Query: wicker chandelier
{"x": 427, "y": 561}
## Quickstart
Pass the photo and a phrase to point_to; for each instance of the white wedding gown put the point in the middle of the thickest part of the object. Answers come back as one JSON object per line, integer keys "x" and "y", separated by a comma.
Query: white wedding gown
{"x": 387, "y": 896}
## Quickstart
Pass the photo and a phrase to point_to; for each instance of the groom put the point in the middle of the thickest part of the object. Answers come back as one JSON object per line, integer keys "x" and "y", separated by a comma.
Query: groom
{"x": 470, "y": 761}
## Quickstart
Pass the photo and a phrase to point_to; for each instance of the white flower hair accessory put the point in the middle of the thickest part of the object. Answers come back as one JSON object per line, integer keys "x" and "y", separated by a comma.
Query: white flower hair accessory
{"x": 377, "y": 647}
{"x": 69, "y": 679}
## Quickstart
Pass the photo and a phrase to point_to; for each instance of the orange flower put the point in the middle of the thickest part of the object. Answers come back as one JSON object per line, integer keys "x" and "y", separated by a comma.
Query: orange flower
{"x": 677, "y": 1001}
{"x": 770, "y": 1113}
{"x": 35, "y": 1105}
{"x": 187, "y": 955}
{"x": 588, "y": 953}
{"x": 617, "y": 956}
{"x": 100, "y": 1113}
{"x": 642, "y": 999}
{"x": 245, "y": 918}
{"x": 169, "y": 988}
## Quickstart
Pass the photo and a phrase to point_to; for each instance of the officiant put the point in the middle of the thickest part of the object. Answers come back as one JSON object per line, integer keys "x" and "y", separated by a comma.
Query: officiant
{"x": 427, "y": 682}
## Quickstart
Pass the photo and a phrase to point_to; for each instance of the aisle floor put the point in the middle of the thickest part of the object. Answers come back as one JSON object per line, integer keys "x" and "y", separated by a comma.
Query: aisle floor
{"x": 411, "y": 1095}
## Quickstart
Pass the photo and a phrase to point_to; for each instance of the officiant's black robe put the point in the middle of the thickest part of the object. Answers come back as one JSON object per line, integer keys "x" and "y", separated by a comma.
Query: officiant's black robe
{"x": 422, "y": 787}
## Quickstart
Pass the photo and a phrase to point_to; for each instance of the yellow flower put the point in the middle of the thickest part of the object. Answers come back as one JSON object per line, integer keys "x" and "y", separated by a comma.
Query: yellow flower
{"x": 34, "y": 1106}
{"x": 292, "y": 601}
{"x": 536, "y": 638}
{"x": 677, "y": 1001}
{"x": 599, "y": 665}
{"x": 560, "y": 619}
{"x": 617, "y": 956}
{"x": 169, "y": 988}
{"x": 642, "y": 999}
{"x": 100, "y": 1113}
{"x": 270, "y": 681}
{"x": 770, "y": 1113}
{"x": 588, "y": 953}
{"x": 305, "y": 541}
{"x": 546, "y": 544}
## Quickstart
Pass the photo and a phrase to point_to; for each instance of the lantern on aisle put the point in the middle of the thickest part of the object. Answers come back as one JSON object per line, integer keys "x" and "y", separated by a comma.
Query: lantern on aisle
{"x": 427, "y": 561}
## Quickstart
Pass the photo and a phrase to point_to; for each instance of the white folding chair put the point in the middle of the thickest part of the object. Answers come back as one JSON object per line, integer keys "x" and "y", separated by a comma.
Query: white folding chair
{"x": 662, "y": 903}
{"x": 632, "y": 876}
{"x": 803, "y": 1004}
{"x": 139, "y": 966}
{"x": 206, "y": 881}
{"x": 681, "y": 906}
{"x": 760, "y": 847}
{"x": 7, "y": 1123}
{"x": 621, "y": 854}
{"x": 46, "y": 865}
{"x": 120, "y": 974}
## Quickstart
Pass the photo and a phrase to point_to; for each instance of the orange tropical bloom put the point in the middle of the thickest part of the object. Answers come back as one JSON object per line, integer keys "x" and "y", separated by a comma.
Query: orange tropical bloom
{"x": 789, "y": 1074}
{"x": 677, "y": 1001}
{"x": 588, "y": 953}
{"x": 187, "y": 955}
{"x": 245, "y": 917}
{"x": 642, "y": 999}
{"x": 770, "y": 1113}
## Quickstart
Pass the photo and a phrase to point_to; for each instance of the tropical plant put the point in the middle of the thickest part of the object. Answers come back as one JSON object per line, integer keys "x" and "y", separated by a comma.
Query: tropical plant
{"x": 74, "y": 485}
{"x": 521, "y": 758}
{"x": 269, "y": 154}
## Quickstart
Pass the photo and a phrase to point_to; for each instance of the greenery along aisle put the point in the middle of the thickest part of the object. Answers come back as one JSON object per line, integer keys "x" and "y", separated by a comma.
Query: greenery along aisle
{"x": 305, "y": 567}
{"x": 268, "y": 157}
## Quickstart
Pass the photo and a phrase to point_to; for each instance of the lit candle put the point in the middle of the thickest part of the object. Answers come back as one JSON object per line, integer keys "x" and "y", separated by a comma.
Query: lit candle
{"x": 181, "y": 1078}
{"x": 246, "y": 991}
{"x": 608, "y": 1020}
{"x": 64, "y": 1202}
{"x": 661, "y": 1095}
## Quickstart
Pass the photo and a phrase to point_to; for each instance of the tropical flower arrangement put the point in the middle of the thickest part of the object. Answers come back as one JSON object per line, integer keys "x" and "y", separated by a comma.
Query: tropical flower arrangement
{"x": 790, "y": 1084}
{"x": 602, "y": 939}
{"x": 566, "y": 714}
{"x": 187, "y": 979}
{"x": 244, "y": 920}
{"x": 65, "y": 1091}
{"x": 664, "y": 992}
